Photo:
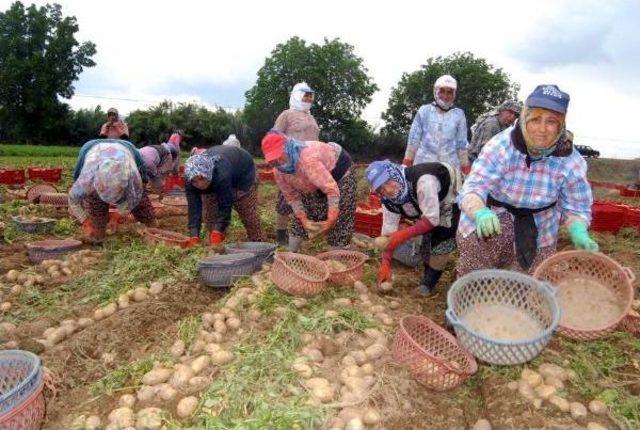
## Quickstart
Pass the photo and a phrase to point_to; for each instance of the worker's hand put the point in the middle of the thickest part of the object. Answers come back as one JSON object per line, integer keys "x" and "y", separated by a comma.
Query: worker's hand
{"x": 580, "y": 237}
{"x": 332, "y": 218}
{"x": 466, "y": 169}
{"x": 487, "y": 223}
{"x": 306, "y": 223}
{"x": 384, "y": 275}
{"x": 407, "y": 162}
{"x": 194, "y": 241}
{"x": 420, "y": 227}
{"x": 88, "y": 229}
{"x": 215, "y": 238}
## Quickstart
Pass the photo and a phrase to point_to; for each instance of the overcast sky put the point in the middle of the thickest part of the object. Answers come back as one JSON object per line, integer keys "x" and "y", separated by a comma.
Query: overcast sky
{"x": 209, "y": 52}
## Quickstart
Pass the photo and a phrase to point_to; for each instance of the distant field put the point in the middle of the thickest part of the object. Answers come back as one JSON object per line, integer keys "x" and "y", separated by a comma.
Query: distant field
{"x": 38, "y": 151}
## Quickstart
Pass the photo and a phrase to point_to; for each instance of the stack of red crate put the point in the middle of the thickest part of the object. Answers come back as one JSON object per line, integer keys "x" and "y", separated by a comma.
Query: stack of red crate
{"x": 12, "y": 176}
{"x": 46, "y": 174}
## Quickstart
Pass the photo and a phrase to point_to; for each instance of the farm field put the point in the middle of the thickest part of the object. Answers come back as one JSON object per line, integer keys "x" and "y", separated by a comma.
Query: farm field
{"x": 269, "y": 345}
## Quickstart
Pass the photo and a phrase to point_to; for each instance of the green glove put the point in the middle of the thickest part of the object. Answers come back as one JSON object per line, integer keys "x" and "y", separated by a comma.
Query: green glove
{"x": 580, "y": 237}
{"x": 487, "y": 223}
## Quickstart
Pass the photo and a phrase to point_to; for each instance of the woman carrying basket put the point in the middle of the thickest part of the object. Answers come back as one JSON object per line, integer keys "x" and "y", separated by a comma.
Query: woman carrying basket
{"x": 222, "y": 178}
{"x": 425, "y": 193}
{"x": 316, "y": 180}
{"x": 108, "y": 172}
{"x": 526, "y": 182}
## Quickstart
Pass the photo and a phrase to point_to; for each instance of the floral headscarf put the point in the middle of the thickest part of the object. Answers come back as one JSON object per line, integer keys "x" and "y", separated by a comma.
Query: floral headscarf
{"x": 200, "y": 165}
{"x": 380, "y": 172}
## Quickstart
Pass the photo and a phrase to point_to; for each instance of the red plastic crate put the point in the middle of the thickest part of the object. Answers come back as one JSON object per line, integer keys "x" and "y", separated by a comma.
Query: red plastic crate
{"x": 374, "y": 200}
{"x": 47, "y": 174}
{"x": 607, "y": 216}
{"x": 627, "y": 192}
{"x": 173, "y": 182}
{"x": 369, "y": 224}
{"x": 267, "y": 175}
{"x": 12, "y": 176}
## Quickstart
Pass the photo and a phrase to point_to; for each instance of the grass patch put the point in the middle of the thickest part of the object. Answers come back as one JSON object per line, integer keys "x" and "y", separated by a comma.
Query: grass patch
{"x": 189, "y": 328}
{"x": 602, "y": 370}
{"x": 38, "y": 151}
{"x": 128, "y": 375}
{"x": 259, "y": 390}
{"x": 271, "y": 299}
{"x": 132, "y": 264}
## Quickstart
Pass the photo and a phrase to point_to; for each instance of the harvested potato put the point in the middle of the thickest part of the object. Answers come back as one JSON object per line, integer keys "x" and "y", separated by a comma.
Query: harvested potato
{"x": 342, "y": 302}
{"x": 347, "y": 414}
{"x": 149, "y": 419}
{"x": 375, "y": 351}
{"x": 181, "y": 376}
{"x": 304, "y": 370}
{"x": 155, "y": 288}
{"x": 371, "y": 417}
{"x": 355, "y": 424}
{"x": 16, "y": 289}
{"x": 381, "y": 242}
{"x": 123, "y": 301}
{"x": 595, "y": 426}
{"x": 533, "y": 378}
{"x": 221, "y": 358}
{"x": 66, "y": 271}
{"x": 122, "y": 417}
{"x": 177, "y": 349}
{"x": 220, "y": 327}
{"x": 386, "y": 286}
{"x": 157, "y": 376}
{"x": 548, "y": 370}
{"x": 5, "y": 307}
{"x": 597, "y": 407}
{"x": 140, "y": 294}
{"x": 545, "y": 391}
{"x": 578, "y": 410}
{"x": 348, "y": 360}
{"x": 482, "y": 424}
{"x": 560, "y": 403}
{"x": 84, "y": 322}
{"x": 93, "y": 423}
{"x": 233, "y": 323}
{"x": 166, "y": 392}
{"x": 186, "y": 407}
{"x": 360, "y": 357}
{"x": 525, "y": 390}
{"x": 313, "y": 354}
{"x": 360, "y": 287}
{"x": 330, "y": 313}
{"x": 198, "y": 382}
{"x": 335, "y": 266}
{"x": 200, "y": 363}
{"x": 127, "y": 401}
{"x": 110, "y": 309}
{"x": 12, "y": 275}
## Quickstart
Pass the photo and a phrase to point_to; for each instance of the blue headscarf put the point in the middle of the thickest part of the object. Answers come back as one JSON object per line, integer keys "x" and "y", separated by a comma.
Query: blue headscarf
{"x": 379, "y": 172}
{"x": 200, "y": 165}
{"x": 292, "y": 148}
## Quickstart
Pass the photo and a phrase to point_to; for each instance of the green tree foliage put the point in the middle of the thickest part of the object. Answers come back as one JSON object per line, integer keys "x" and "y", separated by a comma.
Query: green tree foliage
{"x": 480, "y": 86}
{"x": 84, "y": 124}
{"x": 343, "y": 88}
{"x": 40, "y": 59}
{"x": 202, "y": 127}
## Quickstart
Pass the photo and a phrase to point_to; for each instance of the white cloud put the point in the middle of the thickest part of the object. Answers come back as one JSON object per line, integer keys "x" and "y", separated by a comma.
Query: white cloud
{"x": 210, "y": 51}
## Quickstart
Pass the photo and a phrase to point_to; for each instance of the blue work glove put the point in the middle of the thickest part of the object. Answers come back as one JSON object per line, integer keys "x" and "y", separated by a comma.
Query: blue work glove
{"x": 580, "y": 237}
{"x": 487, "y": 223}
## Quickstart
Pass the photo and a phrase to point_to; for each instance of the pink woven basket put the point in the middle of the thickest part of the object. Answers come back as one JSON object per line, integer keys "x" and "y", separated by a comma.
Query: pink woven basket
{"x": 154, "y": 236}
{"x": 353, "y": 260}
{"x": 54, "y": 199}
{"x": 34, "y": 193}
{"x": 28, "y": 416}
{"x": 600, "y": 268}
{"x": 299, "y": 274}
{"x": 631, "y": 323}
{"x": 431, "y": 354}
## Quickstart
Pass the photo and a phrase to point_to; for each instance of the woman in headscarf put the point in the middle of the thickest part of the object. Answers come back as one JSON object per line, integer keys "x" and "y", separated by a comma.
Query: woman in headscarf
{"x": 176, "y": 140}
{"x": 221, "y": 178}
{"x": 158, "y": 162}
{"x": 114, "y": 128}
{"x": 527, "y": 182}
{"x": 317, "y": 181}
{"x": 297, "y": 123}
{"x": 425, "y": 193}
{"x": 108, "y": 172}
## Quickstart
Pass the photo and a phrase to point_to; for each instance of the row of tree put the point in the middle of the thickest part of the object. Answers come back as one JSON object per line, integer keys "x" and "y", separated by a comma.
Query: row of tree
{"x": 40, "y": 59}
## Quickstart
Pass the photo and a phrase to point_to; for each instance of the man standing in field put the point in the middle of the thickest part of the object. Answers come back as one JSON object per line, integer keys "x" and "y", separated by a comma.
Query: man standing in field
{"x": 492, "y": 123}
{"x": 114, "y": 128}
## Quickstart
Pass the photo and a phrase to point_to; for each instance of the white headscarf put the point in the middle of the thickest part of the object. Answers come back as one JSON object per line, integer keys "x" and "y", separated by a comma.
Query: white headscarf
{"x": 298, "y": 92}
{"x": 232, "y": 140}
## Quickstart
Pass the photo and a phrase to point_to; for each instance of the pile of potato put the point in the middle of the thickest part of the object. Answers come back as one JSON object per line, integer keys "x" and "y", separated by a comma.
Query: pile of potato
{"x": 54, "y": 335}
{"x": 546, "y": 384}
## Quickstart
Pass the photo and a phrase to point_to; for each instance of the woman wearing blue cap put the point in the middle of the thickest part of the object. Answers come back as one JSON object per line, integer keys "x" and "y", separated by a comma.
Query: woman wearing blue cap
{"x": 526, "y": 182}
{"x": 425, "y": 193}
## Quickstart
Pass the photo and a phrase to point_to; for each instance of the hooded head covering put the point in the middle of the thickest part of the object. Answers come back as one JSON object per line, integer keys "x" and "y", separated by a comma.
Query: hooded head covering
{"x": 445, "y": 81}
{"x": 512, "y": 105}
{"x": 380, "y": 172}
{"x": 171, "y": 148}
{"x": 295, "y": 100}
{"x": 232, "y": 140}
{"x": 200, "y": 165}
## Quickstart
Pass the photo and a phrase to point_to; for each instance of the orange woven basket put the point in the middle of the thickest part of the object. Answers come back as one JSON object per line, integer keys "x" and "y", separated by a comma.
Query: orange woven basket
{"x": 431, "y": 354}
{"x": 631, "y": 323}
{"x": 600, "y": 268}
{"x": 34, "y": 193}
{"x": 299, "y": 274}
{"x": 154, "y": 236}
{"x": 353, "y": 260}
{"x": 54, "y": 199}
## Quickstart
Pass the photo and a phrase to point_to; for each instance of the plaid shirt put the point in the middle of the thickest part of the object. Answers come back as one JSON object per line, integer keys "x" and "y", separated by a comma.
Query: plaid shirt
{"x": 501, "y": 171}
{"x": 438, "y": 135}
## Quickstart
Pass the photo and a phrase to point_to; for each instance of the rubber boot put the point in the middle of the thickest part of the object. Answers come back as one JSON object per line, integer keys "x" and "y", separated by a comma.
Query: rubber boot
{"x": 281, "y": 237}
{"x": 430, "y": 278}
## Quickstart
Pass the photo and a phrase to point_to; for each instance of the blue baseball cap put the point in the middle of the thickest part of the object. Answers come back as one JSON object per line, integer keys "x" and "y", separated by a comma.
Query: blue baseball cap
{"x": 377, "y": 173}
{"x": 548, "y": 97}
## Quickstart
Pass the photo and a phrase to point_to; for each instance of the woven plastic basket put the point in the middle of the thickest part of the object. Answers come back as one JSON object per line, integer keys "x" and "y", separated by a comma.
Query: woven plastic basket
{"x": 299, "y": 274}
{"x": 631, "y": 323}
{"x": 353, "y": 260}
{"x": 153, "y": 236}
{"x": 408, "y": 253}
{"x": 54, "y": 199}
{"x": 34, "y": 193}
{"x": 33, "y": 225}
{"x": 221, "y": 270}
{"x": 21, "y": 398}
{"x": 431, "y": 354}
{"x": 262, "y": 250}
{"x": 51, "y": 249}
{"x": 602, "y": 269}
{"x": 512, "y": 289}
